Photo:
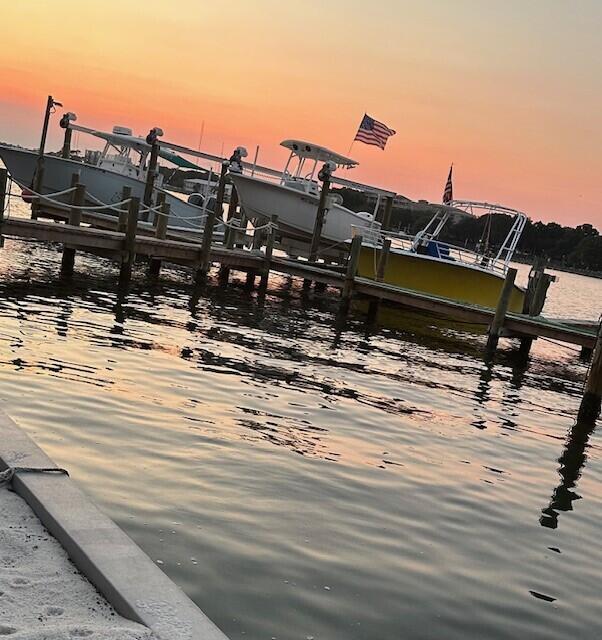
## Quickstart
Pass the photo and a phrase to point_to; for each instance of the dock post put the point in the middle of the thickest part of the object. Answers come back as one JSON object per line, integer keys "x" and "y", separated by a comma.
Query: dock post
{"x": 240, "y": 236}
{"x": 382, "y": 259}
{"x": 75, "y": 218}
{"x": 126, "y": 194}
{"x": 535, "y": 299}
{"x": 205, "y": 255}
{"x": 320, "y": 215}
{"x": 354, "y": 256}
{"x": 500, "y": 312}
{"x": 38, "y": 177}
{"x": 66, "y": 150}
{"x": 125, "y": 273}
{"x": 159, "y": 200}
{"x": 269, "y": 249}
{"x": 151, "y": 172}
{"x": 589, "y": 409}
{"x": 161, "y": 218}
{"x": 379, "y": 277}
{"x": 3, "y": 194}
{"x": 230, "y": 234}
{"x": 386, "y": 223}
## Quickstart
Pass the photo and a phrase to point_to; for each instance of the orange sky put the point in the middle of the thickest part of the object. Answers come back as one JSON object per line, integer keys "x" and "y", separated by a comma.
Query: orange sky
{"x": 510, "y": 92}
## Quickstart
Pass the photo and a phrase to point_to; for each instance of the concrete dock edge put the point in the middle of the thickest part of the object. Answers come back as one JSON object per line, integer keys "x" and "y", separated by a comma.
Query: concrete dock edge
{"x": 127, "y": 578}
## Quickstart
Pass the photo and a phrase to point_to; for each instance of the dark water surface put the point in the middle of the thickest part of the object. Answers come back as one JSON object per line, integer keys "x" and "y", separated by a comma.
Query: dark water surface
{"x": 302, "y": 481}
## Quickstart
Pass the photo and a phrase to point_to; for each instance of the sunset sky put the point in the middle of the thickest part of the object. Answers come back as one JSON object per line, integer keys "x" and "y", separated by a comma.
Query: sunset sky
{"x": 510, "y": 92}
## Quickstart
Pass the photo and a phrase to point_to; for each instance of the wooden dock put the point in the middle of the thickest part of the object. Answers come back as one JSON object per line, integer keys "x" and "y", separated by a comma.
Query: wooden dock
{"x": 124, "y": 238}
{"x": 111, "y": 244}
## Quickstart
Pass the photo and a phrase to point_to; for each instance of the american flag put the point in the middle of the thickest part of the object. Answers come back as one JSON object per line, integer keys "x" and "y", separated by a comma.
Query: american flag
{"x": 448, "y": 192}
{"x": 372, "y": 131}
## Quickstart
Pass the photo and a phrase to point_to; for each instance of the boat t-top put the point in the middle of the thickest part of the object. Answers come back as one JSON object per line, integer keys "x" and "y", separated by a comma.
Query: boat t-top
{"x": 293, "y": 196}
{"x": 123, "y": 162}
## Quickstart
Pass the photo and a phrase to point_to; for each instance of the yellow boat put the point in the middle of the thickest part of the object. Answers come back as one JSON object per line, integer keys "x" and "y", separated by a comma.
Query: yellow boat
{"x": 423, "y": 263}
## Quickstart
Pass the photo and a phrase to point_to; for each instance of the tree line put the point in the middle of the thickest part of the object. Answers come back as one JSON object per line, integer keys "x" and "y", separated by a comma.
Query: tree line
{"x": 578, "y": 248}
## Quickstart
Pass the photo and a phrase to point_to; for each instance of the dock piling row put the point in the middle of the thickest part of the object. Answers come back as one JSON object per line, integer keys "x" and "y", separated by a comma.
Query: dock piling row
{"x": 120, "y": 239}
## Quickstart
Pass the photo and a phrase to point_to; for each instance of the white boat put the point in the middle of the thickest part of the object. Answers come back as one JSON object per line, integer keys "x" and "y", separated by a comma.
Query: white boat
{"x": 295, "y": 194}
{"x": 123, "y": 162}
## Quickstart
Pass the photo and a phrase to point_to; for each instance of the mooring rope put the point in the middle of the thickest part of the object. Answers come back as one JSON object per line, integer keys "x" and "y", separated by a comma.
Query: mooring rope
{"x": 35, "y": 195}
{"x": 6, "y": 477}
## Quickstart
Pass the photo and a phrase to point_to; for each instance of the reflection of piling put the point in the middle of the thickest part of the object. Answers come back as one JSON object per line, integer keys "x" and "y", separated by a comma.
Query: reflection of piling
{"x": 125, "y": 273}
{"x": 501, "y": 310}
{"x": 571, "y": 461}
{"x": 75, "y": 218}
{"x": 591, "y": 403}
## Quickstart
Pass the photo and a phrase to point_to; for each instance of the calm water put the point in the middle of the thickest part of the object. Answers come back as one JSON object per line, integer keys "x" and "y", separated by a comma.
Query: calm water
{"x": 299, "y": 479}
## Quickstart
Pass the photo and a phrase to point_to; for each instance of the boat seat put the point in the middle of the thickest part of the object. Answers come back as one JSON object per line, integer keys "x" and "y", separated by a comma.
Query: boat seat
{"x": 438, "y": 250}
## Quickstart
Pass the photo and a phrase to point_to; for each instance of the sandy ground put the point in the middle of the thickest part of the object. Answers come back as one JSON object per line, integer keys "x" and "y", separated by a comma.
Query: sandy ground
{"x": 42, "y": 595}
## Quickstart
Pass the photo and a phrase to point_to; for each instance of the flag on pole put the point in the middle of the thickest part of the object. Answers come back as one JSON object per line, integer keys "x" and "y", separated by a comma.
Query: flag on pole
{"x": 372, "y": 131}
{"x": 448, "y": 192}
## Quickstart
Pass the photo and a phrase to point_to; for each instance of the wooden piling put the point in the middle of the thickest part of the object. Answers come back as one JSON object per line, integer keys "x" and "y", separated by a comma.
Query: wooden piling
{"x": 382, "y": 260}
{"x": 3, "y": 194}
{"x": 379, "y": 277}
{"x": 589, "y": 409}
{"x": 66, "y": 150}
{"x": 38, "y": 178}
{"x": 239, "y": 241}
{"x": 319, "y": 222}
{"x": 386, "y": 223}
{"x": 535, "y": 298}
{"x": 75, "y": 217}
{"x": 126, "y": 194}
{"x": 269, "y": 249}
{"x": 354, "y": 256}
{"x": 150, "y": 178}
{"x": 161, "y": 219}
{"x": 129, "y": 242}
{"x": 230, "y": 234}
{"x": 495, "y": 329}
{"x": 205, "y": 254}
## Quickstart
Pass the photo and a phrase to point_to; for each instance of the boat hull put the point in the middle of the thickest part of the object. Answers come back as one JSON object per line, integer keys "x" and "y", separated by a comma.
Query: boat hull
{"x": 296, "y": 210}
{"x": 102, "y": 184}
{"x": 442, "y": 278}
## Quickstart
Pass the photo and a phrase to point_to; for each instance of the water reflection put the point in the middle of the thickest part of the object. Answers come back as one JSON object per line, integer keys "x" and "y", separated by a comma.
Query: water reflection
{"x": 289, "y": 449}
{"x": 571, "y": 461}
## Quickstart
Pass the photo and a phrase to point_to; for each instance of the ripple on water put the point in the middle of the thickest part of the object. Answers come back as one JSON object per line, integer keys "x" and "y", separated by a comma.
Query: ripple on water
{"x": 302, "y": 480}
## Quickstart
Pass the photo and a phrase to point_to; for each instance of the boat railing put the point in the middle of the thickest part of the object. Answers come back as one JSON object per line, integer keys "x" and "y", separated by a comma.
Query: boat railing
{"x": 372, "y": 235}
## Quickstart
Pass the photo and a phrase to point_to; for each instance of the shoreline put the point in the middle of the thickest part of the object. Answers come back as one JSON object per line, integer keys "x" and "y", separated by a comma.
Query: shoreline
{"x": 123, "y": 574}
{"x": 42, "y": 594}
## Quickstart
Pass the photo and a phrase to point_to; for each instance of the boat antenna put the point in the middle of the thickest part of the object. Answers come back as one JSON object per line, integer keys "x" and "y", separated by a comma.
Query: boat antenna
{"x": 200, "y": 141}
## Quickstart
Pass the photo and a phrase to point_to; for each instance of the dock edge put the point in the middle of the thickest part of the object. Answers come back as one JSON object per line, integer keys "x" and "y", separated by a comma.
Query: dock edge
{"x": 127, "y": 578}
